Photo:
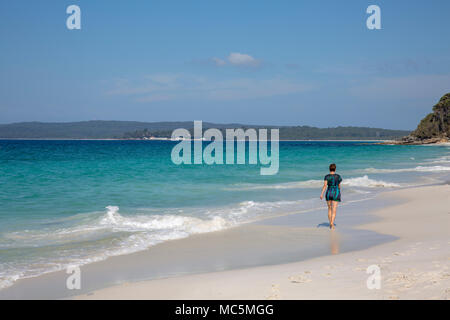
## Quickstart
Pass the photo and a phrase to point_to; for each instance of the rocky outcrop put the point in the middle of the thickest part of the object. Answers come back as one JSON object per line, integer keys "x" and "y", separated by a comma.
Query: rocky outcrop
{"x": 437, "y": 123}
{"x": 434, "y": 128}
{"x": 414, "y": 140}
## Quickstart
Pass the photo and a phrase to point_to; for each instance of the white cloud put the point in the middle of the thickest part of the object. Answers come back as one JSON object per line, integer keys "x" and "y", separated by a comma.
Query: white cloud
{"x": 240, "y": 59}
{"x": 219, "y": 62}
{"x": 167, "y": 87}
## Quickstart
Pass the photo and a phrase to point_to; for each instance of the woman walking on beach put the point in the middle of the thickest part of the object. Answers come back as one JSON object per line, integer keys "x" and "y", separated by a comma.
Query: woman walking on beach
{"x": 332, "y": 184}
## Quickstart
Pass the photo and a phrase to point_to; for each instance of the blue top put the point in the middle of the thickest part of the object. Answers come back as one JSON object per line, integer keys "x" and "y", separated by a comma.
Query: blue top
{"x": 333, "y": 180}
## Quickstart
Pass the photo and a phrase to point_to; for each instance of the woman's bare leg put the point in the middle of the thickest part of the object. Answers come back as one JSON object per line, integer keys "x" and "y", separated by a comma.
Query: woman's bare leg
{"x": 333, "y": 213}
{"x": 330, "y": 211}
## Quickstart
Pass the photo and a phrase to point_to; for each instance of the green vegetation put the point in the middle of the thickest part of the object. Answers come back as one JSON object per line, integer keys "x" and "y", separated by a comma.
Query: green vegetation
{"x": 338, "y": 133}
{"x": 297, "y": 133}
{"x": 437, "y": 123}
{"x": 140, "y": 130}
{"x": 80, "y": 130}
{"x": 288, "y": 133}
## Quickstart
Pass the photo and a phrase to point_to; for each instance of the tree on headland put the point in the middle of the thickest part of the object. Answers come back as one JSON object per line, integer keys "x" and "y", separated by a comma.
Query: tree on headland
{"x": 435, "y": 125}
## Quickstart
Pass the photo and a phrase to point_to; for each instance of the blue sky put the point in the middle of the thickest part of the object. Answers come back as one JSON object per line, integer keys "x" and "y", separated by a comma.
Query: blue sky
{"x": 256, "y": 62}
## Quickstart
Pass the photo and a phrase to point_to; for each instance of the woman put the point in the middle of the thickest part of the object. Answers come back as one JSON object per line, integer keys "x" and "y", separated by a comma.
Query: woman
{"x": 332, "y": 183}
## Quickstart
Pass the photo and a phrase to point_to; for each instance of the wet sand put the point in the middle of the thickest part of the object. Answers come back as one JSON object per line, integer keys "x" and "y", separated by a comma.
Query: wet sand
{"x": 416, "y": 265}
{"x": 280, "y": 240}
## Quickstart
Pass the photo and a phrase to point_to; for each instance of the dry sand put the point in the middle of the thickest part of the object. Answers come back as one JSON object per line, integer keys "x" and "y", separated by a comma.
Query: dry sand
{"x": 416, "y": 266}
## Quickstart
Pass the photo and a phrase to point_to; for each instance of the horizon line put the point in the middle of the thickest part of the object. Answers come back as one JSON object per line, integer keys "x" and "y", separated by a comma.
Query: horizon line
{"x": 210, "y": 122}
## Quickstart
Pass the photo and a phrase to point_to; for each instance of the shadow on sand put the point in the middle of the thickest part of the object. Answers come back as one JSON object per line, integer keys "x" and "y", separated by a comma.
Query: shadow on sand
{"x": 325, "y": 224}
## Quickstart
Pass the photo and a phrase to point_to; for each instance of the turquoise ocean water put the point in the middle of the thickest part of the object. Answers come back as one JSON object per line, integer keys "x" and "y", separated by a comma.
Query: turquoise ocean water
{"x": 76, "y": 202}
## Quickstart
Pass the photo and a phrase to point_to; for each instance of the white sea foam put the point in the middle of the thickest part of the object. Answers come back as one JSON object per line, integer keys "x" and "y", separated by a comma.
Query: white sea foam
{"x": 285, "y": 185}
{"x": 366, "y": 182}
{"x": 131, "y": 234}
{"x": 186, "y": 224}
{"x": 111, "y": 233}
{"x": 363, "y": 181}
{"x": 415, "y": 169}
{"x": 440, "y": 160}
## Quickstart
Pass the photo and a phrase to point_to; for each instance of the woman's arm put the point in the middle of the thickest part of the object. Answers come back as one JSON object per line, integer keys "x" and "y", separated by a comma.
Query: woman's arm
{"x": 323, "y": 189}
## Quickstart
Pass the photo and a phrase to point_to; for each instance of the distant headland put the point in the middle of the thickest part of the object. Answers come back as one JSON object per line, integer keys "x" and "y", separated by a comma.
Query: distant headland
{"x": 133, "y": 130}
{"x": 434, "y": 128}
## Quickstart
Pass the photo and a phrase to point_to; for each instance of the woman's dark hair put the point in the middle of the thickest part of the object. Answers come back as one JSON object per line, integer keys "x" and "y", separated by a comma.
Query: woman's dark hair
{"x": 332, "y": 167}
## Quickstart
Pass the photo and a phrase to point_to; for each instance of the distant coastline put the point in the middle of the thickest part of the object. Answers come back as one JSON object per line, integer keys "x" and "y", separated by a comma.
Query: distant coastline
{"x": 133, "y": 130}
{"x": 167, "y": 139}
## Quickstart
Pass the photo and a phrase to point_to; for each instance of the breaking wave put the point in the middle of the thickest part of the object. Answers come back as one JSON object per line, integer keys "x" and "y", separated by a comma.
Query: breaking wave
{"x": 415, "y": 169}
{"x": 366, "y": 182}
{"x": 91, "y": 237}
{"x": 363, "y": 181}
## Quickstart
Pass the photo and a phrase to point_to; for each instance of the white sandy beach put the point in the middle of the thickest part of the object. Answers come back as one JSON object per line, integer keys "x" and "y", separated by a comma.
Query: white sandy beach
{"x": 415, "y": 266}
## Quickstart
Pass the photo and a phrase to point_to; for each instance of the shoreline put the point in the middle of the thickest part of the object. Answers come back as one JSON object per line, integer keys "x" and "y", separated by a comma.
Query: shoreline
{"x": 414, "y": 266}
{"x": 388, "y": 142}
{"x": 277, "y": 242}
{"x": 274, "y": 240}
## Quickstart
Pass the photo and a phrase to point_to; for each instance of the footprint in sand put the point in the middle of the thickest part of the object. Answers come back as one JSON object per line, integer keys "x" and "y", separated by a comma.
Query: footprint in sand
{"x": 275, "y": 289}
{"x": 299, "y": 279}
{"x": 446, "y": 294}
{"x": 436, "y": 264}
{"x": 359, "y": 269}
{"x": 399, "y": 277}
{"x": 445, "y": 276}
